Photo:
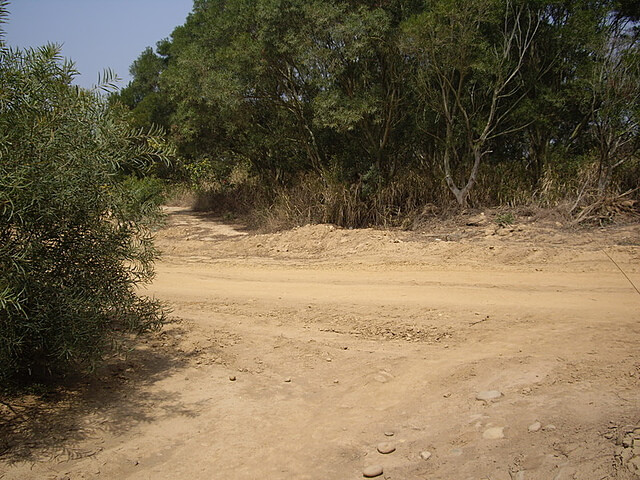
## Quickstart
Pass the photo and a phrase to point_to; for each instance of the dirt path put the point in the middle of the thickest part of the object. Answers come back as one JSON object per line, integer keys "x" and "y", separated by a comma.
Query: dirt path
{"x": 337, "y": 338}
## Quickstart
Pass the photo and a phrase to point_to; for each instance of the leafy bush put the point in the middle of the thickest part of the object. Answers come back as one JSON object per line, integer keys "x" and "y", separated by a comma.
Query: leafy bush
{"x": 74, "y": 235}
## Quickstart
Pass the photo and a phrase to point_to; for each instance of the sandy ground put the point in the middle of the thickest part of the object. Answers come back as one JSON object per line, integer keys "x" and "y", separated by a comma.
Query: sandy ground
{"x": 294, "y": 355}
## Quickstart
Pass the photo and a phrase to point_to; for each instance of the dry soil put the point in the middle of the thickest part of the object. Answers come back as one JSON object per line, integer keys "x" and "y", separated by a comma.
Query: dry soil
{"x": 294, "y": 355}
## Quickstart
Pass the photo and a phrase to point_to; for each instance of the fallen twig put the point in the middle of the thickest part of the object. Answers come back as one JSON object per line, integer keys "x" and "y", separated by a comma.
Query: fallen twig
{"x": 622, "y": 271}
{"x": 585, "y": 213}
{"x": 479, "y": 321}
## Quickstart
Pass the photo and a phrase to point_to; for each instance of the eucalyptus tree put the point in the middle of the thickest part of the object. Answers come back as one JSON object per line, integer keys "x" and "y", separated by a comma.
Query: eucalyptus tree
{"x": 363, "y": 96}
{"x": 292, "y": 85}
{"x": 614, "y": 97}
{"x": 469, "y": 57}
{"x": 142, "y": 94}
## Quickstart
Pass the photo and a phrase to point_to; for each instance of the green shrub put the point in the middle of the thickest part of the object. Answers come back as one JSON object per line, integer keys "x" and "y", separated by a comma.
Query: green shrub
{"x": 505, "y": 219}
{"x": 74, "y": 231}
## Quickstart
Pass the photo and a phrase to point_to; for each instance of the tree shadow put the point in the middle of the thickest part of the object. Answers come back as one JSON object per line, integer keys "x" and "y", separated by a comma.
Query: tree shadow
{"x": 59, "y": 422}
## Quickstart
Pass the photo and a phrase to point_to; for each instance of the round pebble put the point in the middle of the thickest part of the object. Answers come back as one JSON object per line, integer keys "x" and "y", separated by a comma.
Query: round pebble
{"x": 372, "y": 471}
{"x": 488, "y": 395}
{"x": 386, "y": 447}
{"x": 287, "y": 380}
{"x": 389, "y": 434}
{"x": 535, "y": 426}
{"x": 232, "y": 378}
{"x": 425, "y": 455}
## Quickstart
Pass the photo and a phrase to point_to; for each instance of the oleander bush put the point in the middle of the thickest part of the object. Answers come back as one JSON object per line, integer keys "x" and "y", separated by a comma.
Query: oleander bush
{"x": 75, "y": 227}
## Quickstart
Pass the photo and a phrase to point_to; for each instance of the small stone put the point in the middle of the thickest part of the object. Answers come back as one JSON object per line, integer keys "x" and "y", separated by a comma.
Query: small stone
{"x": 447, "y": 395}
{"x": 626, "y": 456}
{"x": 425, "y": 455}
{"x": 328, "y": 359}
{"x": 549, "y": 428}
{"x": 535, "y": 427}
{"x": 372, "y": 471}
{"x": 386, "y": 447}
{"x": 287, "y": 380}
{"x": 232, "y": 378}
{"x": 566, "y": 473}
{"x": 389, "y": 434}
{"x": 493, "y": 433}
{"x": 336, "y": 381}
{"x": 488, "y": 395}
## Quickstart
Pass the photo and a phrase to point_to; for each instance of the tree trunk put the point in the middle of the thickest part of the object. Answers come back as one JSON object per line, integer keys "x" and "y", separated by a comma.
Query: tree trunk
{"x": 462, "y": 194}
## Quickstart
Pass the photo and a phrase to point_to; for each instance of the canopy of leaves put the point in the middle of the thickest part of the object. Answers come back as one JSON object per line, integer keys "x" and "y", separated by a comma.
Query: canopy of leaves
{"x": 367, "y": 89}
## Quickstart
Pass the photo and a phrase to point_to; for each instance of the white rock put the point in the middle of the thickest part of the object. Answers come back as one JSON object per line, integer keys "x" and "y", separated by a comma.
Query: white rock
{"x": 372, "y": 471}
{"x": 535, "y": 426}
{"x": 488, "y": 395}
{"x": 493, "y": 433}
{"x": 425, "y": 455}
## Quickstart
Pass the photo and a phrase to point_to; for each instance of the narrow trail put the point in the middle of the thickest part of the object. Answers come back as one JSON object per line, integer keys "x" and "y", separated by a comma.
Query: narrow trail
{"x": 336, "y": 339}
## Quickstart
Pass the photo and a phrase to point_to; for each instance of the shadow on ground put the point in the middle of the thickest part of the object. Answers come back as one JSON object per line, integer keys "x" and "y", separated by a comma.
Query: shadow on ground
{"x": 56, "y": 425}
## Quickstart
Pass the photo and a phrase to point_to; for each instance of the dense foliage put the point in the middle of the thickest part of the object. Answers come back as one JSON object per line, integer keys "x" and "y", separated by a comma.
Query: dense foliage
{"x": 388, "y": 105}
{"x": 74, "y": 229}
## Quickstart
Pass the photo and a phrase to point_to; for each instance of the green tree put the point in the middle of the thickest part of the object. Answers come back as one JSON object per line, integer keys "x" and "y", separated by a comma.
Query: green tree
{"x": 75, "y": 237}
{"x": 149, "y": 107}
{"x": 470, "y": 57}
{"x": 614, "y": 97}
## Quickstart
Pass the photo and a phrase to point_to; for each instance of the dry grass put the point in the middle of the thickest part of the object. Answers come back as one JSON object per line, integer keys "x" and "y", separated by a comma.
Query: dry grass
{"x": 407, "y": 202}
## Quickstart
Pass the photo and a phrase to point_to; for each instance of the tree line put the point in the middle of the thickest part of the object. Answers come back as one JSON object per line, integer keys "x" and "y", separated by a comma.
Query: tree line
{"x": 393, "y": 104}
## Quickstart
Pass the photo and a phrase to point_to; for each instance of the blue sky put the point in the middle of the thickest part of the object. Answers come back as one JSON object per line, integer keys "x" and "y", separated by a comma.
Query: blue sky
{"x": 95, "y": 34}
